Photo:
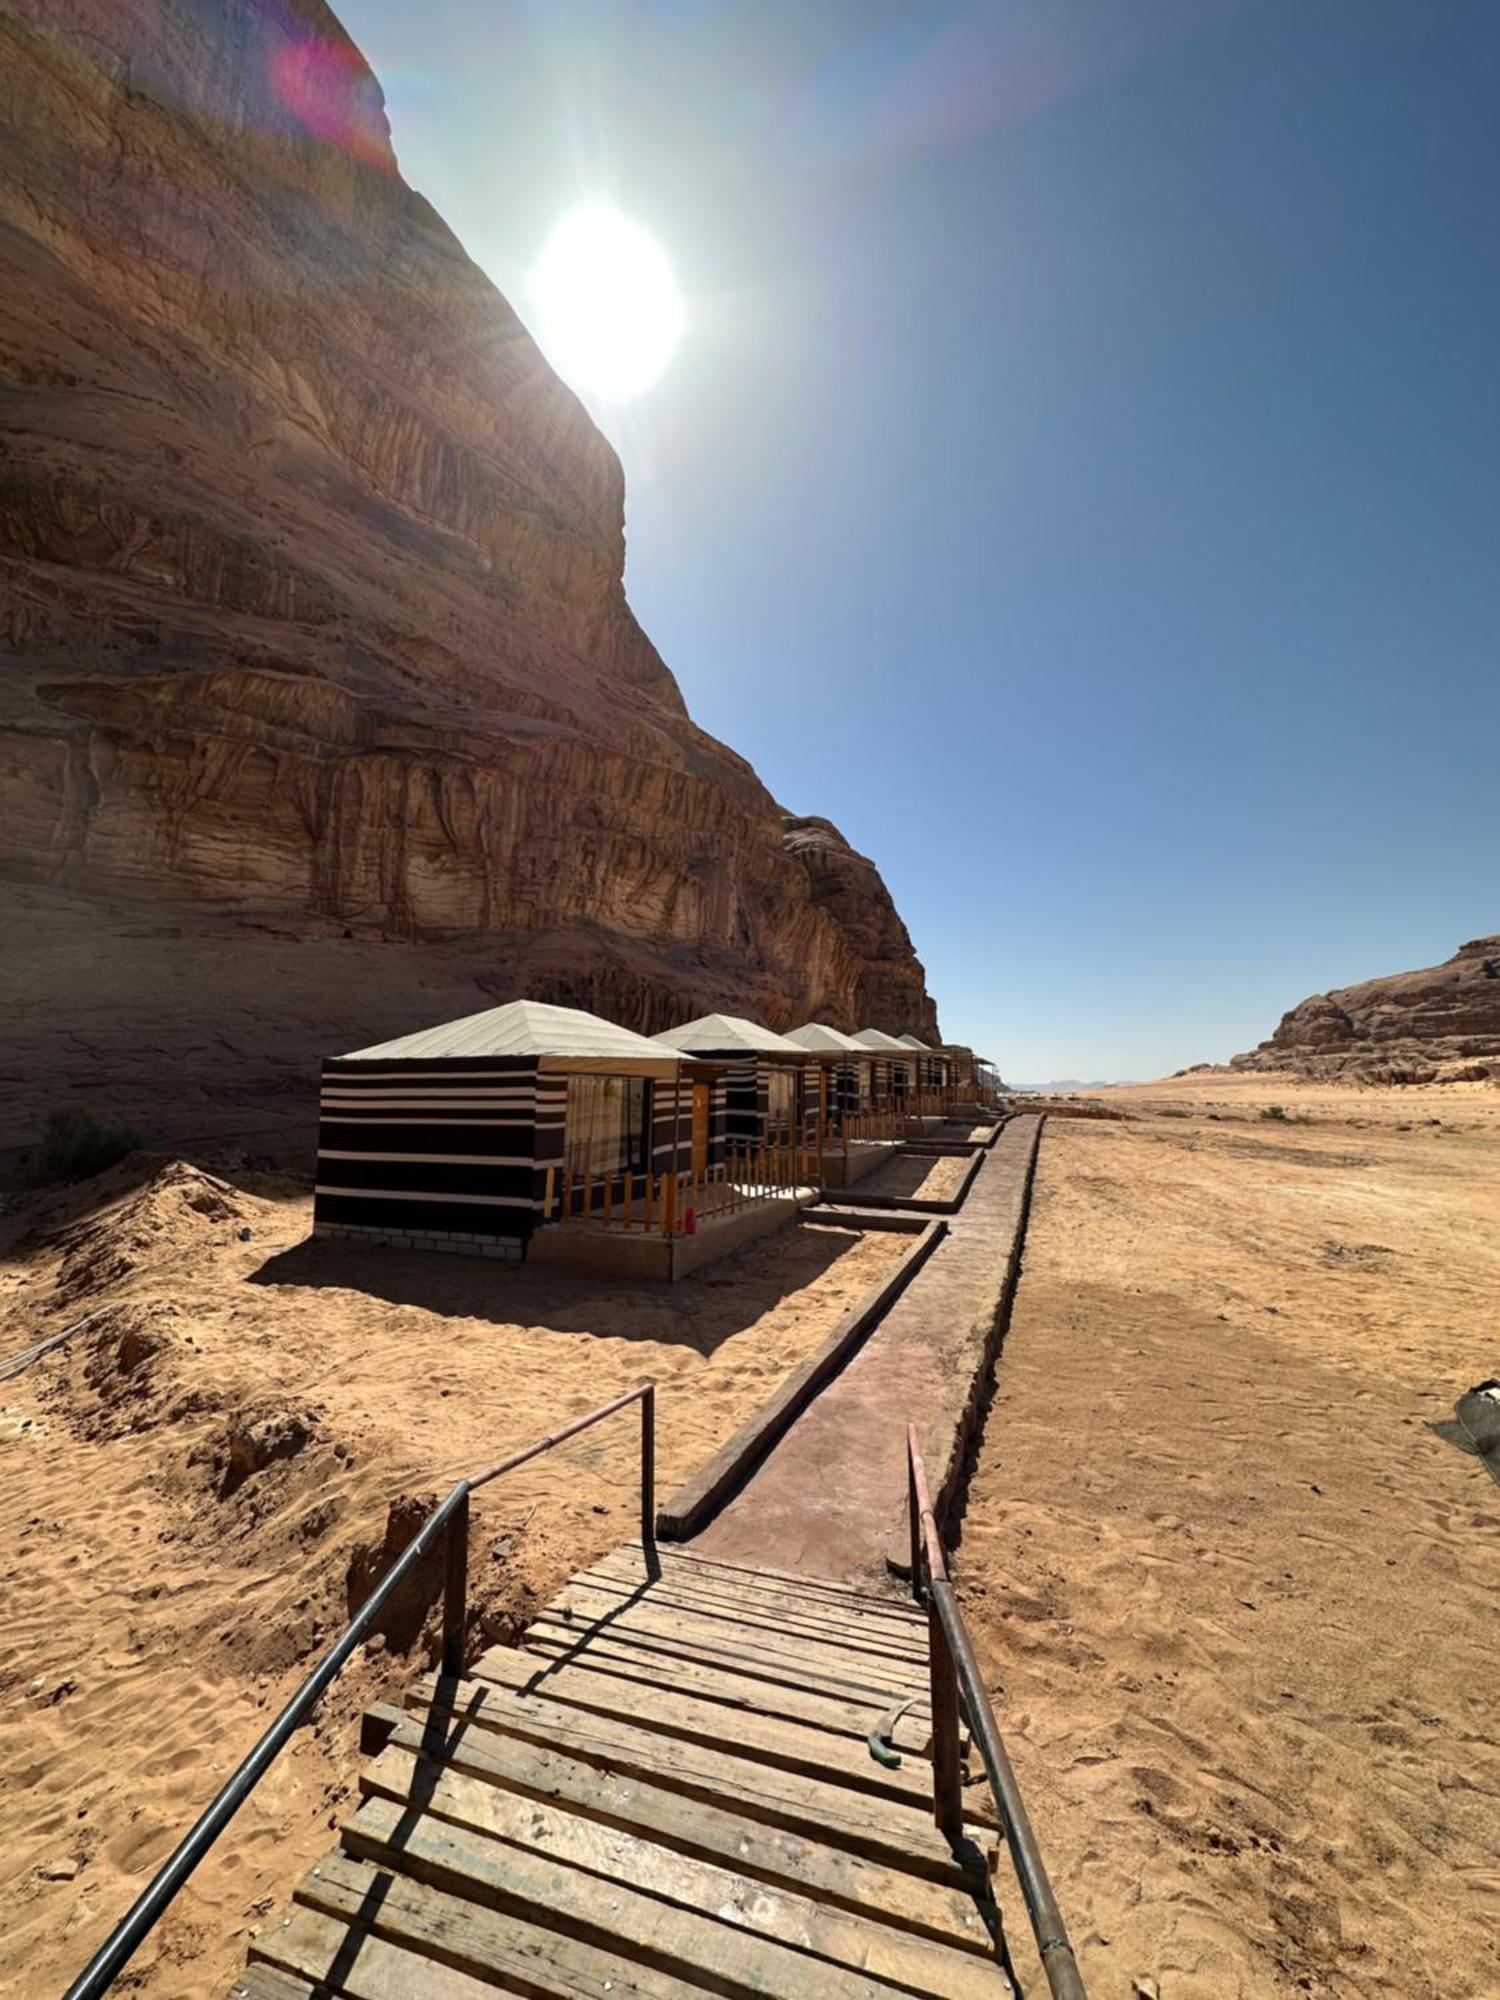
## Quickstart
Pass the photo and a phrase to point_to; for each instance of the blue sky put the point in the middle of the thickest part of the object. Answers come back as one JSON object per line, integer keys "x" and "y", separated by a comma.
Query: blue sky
{"x": 1080, "y": 474}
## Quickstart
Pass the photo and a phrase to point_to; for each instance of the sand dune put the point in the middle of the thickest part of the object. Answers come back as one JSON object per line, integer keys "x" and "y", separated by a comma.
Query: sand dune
{"x": 157, "y": 1611}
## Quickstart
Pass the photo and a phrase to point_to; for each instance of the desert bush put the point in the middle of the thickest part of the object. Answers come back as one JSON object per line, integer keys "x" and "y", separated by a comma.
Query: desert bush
{"x": 1276, "y": 1111}
{"x": 74, "y": 1146}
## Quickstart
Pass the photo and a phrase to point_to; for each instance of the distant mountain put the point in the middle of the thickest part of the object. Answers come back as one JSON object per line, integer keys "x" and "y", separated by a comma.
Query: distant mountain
{"x": 1441, "y": 1024}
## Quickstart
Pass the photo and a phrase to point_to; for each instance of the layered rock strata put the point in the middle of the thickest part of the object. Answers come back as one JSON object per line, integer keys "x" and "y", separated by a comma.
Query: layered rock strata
{"x": 1437, "y": 1025}
{"x": 311, "y": 596}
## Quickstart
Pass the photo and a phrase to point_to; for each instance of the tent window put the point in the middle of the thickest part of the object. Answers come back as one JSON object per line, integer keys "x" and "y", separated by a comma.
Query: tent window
{"x": 781, "y": 1096}
{"x": 607, "y": 1131}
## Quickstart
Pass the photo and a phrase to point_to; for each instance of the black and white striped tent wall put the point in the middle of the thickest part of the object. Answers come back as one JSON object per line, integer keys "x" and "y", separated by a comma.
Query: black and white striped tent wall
{"x": 458, "y": 1144}
{"x": 463, "y": 1145}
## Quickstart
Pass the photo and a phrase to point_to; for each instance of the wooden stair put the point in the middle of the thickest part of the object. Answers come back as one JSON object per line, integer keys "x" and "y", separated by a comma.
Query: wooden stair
{"x": 667, "y": 1789}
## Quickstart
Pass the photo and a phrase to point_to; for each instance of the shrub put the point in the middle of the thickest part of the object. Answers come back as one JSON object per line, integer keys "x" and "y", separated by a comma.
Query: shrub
{"x": 1277, "y": 1111}
{"x": 74, "y": 1147}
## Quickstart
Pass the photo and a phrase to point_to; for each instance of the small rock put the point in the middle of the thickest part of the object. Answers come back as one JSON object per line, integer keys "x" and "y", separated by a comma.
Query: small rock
{"x": 58, "y": 1871}
{"x": 38, "y": 1686}
{"x": 1143, "y": 1988}
{"x": 245, "y": 1235}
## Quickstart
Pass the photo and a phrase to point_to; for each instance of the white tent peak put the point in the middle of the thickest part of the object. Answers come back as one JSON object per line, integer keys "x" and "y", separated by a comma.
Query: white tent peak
{"x": 718, "y": 1034}
{"x": 520, "y": 1028}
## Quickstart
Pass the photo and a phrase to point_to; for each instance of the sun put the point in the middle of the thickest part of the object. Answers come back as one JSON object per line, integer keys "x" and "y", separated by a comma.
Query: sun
{"x": 608, "y": 310}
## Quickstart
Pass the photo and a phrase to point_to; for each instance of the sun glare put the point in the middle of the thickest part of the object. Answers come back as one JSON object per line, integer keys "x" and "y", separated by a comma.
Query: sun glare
{"x": 608, "y": 311}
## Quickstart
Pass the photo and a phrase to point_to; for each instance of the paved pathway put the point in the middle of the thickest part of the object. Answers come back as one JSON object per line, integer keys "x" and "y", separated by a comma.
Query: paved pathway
{"x": 830, "y": 1501}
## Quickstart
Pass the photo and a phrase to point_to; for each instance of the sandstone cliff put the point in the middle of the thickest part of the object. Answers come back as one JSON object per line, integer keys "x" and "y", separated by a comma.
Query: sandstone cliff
{"x": 312, "y": 606}
{"x": 1441, "y": 1024}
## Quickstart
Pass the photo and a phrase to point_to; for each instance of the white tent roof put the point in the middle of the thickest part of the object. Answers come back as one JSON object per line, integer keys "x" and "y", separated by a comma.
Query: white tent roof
{"x": 521, "y": 1028}
{"x": 719, "y": 1033}
{"x": 824, "y": 1041}
{"x": 912, "y": 1042}
{"x": 872, "y": 1038}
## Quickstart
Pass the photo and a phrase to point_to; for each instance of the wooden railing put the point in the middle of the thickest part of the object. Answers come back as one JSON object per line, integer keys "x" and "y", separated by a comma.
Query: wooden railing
{"x": 673, "y": 1204}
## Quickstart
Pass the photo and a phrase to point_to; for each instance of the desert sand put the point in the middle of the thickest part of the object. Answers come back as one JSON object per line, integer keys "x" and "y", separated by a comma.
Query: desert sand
{"x": 157, "y": 1612}
{"x": 1236, "y": 1601}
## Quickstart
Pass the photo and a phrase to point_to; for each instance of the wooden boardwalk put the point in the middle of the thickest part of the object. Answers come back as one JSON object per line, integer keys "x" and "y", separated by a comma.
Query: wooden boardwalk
{"x": 667, "y": 1789}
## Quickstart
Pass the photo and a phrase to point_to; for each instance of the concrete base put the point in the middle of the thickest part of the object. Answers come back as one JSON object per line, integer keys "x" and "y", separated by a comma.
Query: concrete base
{"x": 629, "y": 1253}
{"x": 864, "y": 1156}
{"x": 507, "y": 1249}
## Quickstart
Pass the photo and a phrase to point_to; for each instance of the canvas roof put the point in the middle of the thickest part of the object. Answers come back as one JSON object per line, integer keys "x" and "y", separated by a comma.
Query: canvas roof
{"x": 823, "y": 1040}
{"x": 520, "y": 1028}
{"x": 872, "y": 1038}
{"x": 719, "y": 1034}
{"x": 913, "y": 1042}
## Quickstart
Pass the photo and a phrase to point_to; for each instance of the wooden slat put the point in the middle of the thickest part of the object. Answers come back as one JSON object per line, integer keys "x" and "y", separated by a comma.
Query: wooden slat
{"x": 898, "y": 1606}
{"x": 898, "y": 1835}
{"x": 415, "y": 1943}
{"x": 735, "y": 1690}
{"x": 903, "y": 1620}
{"x": 753, "y": 1608}
{"x": 264, "y": 1982}
{"x": 745, "y": 1902}
{"x": 782, "y": 1669}
{"x": 683, "y": 1938}
{"x": 716, "y": 1833}
{"x": 339, "y": 1957}
{"x": 667, "y": 1710}
{"x": 591, "y": 1608}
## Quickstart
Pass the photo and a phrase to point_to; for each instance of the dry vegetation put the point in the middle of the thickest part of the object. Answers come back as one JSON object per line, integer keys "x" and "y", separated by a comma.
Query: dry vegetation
{"x": 195, "y": 1490}
{"x": 1236, "y": 1598}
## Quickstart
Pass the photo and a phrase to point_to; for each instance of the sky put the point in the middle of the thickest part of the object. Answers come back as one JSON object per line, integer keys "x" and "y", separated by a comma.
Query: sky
{"x": 1078, "y": 476}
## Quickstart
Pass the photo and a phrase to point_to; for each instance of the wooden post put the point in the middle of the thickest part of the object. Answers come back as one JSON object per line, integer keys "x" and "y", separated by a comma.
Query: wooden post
{"x": 609, "y": 1199}
{"x": 455, "y": 1589}
{"x": 947, "y": 1761}
{"x": 588, "y": 1197}
{"x": 628, "y": 1216}
{"x": 648, "y": 1481}
{"x": 548, "y": 1198}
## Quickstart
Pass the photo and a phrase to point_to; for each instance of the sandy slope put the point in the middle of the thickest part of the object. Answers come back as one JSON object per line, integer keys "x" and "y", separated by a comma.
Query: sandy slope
{"x": 1237, "y": 1601}
{"x": 153, "y": 1619}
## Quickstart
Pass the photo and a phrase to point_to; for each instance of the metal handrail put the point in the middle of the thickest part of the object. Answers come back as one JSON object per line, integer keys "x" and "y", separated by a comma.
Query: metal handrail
{"x": 451, "y": 1519}
{"x": 954, "y": 1674}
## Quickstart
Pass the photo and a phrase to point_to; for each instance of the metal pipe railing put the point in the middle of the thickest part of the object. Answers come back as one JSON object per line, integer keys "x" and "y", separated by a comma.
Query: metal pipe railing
{"x": 450, "y": 1518}
{"x": 954, "y": 1676}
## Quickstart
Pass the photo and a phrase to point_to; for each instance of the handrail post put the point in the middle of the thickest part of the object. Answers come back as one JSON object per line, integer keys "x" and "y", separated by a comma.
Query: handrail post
{"x": 947, "y": 1759}
{"x": 455, "y": 1589}
{"x": 914, "y": 1522}
{"x": 648, "y": 1480}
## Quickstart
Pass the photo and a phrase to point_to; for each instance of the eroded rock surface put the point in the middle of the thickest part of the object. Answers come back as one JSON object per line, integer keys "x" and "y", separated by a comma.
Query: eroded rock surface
{"x": 1440, "y": 1024}
{"x": 311, "y": 594}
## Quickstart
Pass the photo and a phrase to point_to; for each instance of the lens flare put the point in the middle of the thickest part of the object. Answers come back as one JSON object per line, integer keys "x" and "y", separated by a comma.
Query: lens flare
{"x": 608, "y": 311}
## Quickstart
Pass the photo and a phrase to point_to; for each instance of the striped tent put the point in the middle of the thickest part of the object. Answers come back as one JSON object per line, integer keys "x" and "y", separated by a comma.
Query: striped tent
{"x": 444, "y": 1138}
{"x": 772, "y": 1084}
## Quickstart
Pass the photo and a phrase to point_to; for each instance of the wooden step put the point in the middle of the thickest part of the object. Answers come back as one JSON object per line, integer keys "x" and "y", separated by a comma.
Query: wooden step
{"x": 898, "y": 1835}
{"x": 743, "y": 1901}
{"x": 681, "y": 1570}
{"x": 779, "y": 1669}
{"x": 715, "y": 1833}
{"x": 736, "y": 1689}
{"x": 585, "y": 1610}
{"x": 756, "y": 1610}
{"x": 690, "y": 1937}
{"x": 668, "y": 1711}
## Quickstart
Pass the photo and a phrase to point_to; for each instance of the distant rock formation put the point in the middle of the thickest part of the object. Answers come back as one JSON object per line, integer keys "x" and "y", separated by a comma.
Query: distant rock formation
{"x": 311, "y": 598}
{"x": 1439, "y": 1025}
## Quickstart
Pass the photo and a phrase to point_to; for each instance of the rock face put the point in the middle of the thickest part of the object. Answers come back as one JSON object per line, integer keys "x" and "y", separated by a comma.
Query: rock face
{"x": 1441, "y": 1024}
{"x": 312, "y": 603}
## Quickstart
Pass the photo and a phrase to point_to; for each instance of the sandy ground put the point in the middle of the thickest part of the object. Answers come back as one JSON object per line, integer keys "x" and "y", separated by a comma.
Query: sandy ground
{"x": 159, "y": 1607}
{"x": 914, "y": 1175}
{"x": 1236, "y": 1600}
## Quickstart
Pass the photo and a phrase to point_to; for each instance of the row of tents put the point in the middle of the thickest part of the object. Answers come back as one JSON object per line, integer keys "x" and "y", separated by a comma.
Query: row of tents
{"x": 478, "y": 1132}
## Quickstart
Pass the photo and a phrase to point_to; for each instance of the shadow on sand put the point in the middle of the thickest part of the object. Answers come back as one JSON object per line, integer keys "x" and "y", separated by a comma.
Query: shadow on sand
{"x": 702, "y": 1311}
